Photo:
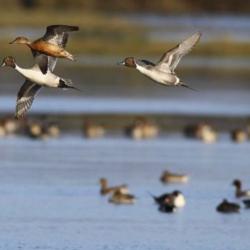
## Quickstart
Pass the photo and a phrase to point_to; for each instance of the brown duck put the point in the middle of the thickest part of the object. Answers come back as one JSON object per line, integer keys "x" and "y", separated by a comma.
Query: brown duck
{"x": 52, "y": 43}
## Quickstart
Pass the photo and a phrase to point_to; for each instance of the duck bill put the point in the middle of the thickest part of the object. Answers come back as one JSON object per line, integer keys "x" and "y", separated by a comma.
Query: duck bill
{"x": 14, "y": 41}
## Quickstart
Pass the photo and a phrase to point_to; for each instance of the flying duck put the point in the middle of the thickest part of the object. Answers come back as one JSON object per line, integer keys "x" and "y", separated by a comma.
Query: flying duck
{"x": 105, "y": 189}
{"x": 53, "y": 42}
{"x": 35, "y": 79}
{"x": 164, "y": 70}
{"x": 228, "y": 207}
{"x": 238, "y": 189}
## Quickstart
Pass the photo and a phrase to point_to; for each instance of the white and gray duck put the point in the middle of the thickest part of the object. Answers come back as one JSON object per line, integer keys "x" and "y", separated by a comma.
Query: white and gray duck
{"x": 164, "y": 70}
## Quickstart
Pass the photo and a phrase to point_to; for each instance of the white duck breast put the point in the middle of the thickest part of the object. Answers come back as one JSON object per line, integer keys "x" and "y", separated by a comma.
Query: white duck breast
{"x": 158, "y": 76}
{"x": 35, "y": 75}
{"x": 179, "y": 201}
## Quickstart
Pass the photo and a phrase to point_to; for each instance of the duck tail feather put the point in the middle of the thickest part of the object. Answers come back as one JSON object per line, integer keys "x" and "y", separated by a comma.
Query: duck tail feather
{"x": 187, "y": 86}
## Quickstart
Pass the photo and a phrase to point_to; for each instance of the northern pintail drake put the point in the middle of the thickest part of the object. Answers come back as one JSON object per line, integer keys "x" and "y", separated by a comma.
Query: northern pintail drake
{"x": 175, "y": 199}
{"x": 120, "y": 198}
{"x": 105, "y": 189}
{"x": 52, "y": 43}
{"x": 164, "y": 70}
{"x": 169, "y": 177}
{"x": 238, "y": 189}
{"x": 247, "y": 203}
{"x": 228, "y": 207}
{"x": 35, "y": 79}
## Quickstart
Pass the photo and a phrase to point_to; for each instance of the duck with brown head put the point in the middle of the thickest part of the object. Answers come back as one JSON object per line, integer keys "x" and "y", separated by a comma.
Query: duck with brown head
{"x": 164, "y": 70}
{"x": 21, "y": 40}
{"x": 53, "y": 42}
{"x": 238, "y": 189}
{"x": 128, "y": 62}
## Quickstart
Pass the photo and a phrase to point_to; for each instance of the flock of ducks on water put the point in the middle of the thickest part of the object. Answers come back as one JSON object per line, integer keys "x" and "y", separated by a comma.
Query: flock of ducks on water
{"x": 171, "y": 202}
{"x": 140, "y": 129}
{"x": 31, "y": 128}
{"x": 51, "y": 46}
{"x": 167, "y": 202}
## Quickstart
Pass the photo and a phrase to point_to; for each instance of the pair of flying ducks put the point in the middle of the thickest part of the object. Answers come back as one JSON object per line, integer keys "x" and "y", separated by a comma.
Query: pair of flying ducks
{"x": 52, "y": 45}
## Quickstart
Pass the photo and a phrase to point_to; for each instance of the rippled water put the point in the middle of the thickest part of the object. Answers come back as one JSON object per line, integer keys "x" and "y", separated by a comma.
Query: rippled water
{"x": 50, "y": 195}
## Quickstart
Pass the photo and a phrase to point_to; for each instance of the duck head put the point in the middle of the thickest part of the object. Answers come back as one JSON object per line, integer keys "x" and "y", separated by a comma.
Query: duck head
{"x": 8, "y": 61}
{"x": 129, "y": 62}
{"x": 237, "y": 183}
{"x": 103, "y": 182}
{"x": 21, "y": 40}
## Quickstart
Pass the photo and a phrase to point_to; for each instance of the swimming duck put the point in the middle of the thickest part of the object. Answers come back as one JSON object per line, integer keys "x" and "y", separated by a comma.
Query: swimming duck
{"x": 52, "y": 130}
{"x": 239, "y": 135}
{"x": 176, "y": 199}
{"x": 238, "y": 189}
{"x": 164, "y": 70}
{"x": 105, "y": 189}
{"x": 142, "y": 129}
{"x": 35, "y": 130}
{"x": 120, "y": 198}
{"x": 35, "y": 79}
{"x": 247, "y": 203}
{"x": 228, "y": 207}
{"x": 93, "y": 130}
{"x": 168, "y": 177}
{"x": 206, "y": 133}
{"x": 52, "y": 43}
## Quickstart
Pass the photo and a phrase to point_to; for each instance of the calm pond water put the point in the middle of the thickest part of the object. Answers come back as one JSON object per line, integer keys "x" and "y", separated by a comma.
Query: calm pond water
{"x": 50, "y": 195}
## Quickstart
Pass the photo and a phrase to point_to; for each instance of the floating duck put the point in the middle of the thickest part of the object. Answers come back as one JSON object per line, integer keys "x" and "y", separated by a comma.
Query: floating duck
{"x": 11, "y": 125}
{"x": 238, "y": 135}
{"x": 93, "y": 130}
{"x": 202, "y": 131}
{"x": 164, "y": 71}
{"x": 175, "y": 199}
{"x": 143, "y": 129}
{"x": 120, "y": 198}
{"x": 228, "y": 207}
{"x": 238, "y": 189}
{"x": 105, "y": 189}
{"x": 206, "y": 133}
{"x": 169, "y": 177}
{"x": 52, "y": 43}
{"x": 35, "y": 130}
{"x": 52, "y": 130}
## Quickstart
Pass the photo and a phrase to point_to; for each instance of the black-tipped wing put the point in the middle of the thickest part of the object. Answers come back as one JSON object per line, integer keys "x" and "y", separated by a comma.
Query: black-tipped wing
{"x": 58, "y": 34}
{"x": 171, "y": 58}
{"x": 44, "y": 62}
{"x": 25, "y": 97}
